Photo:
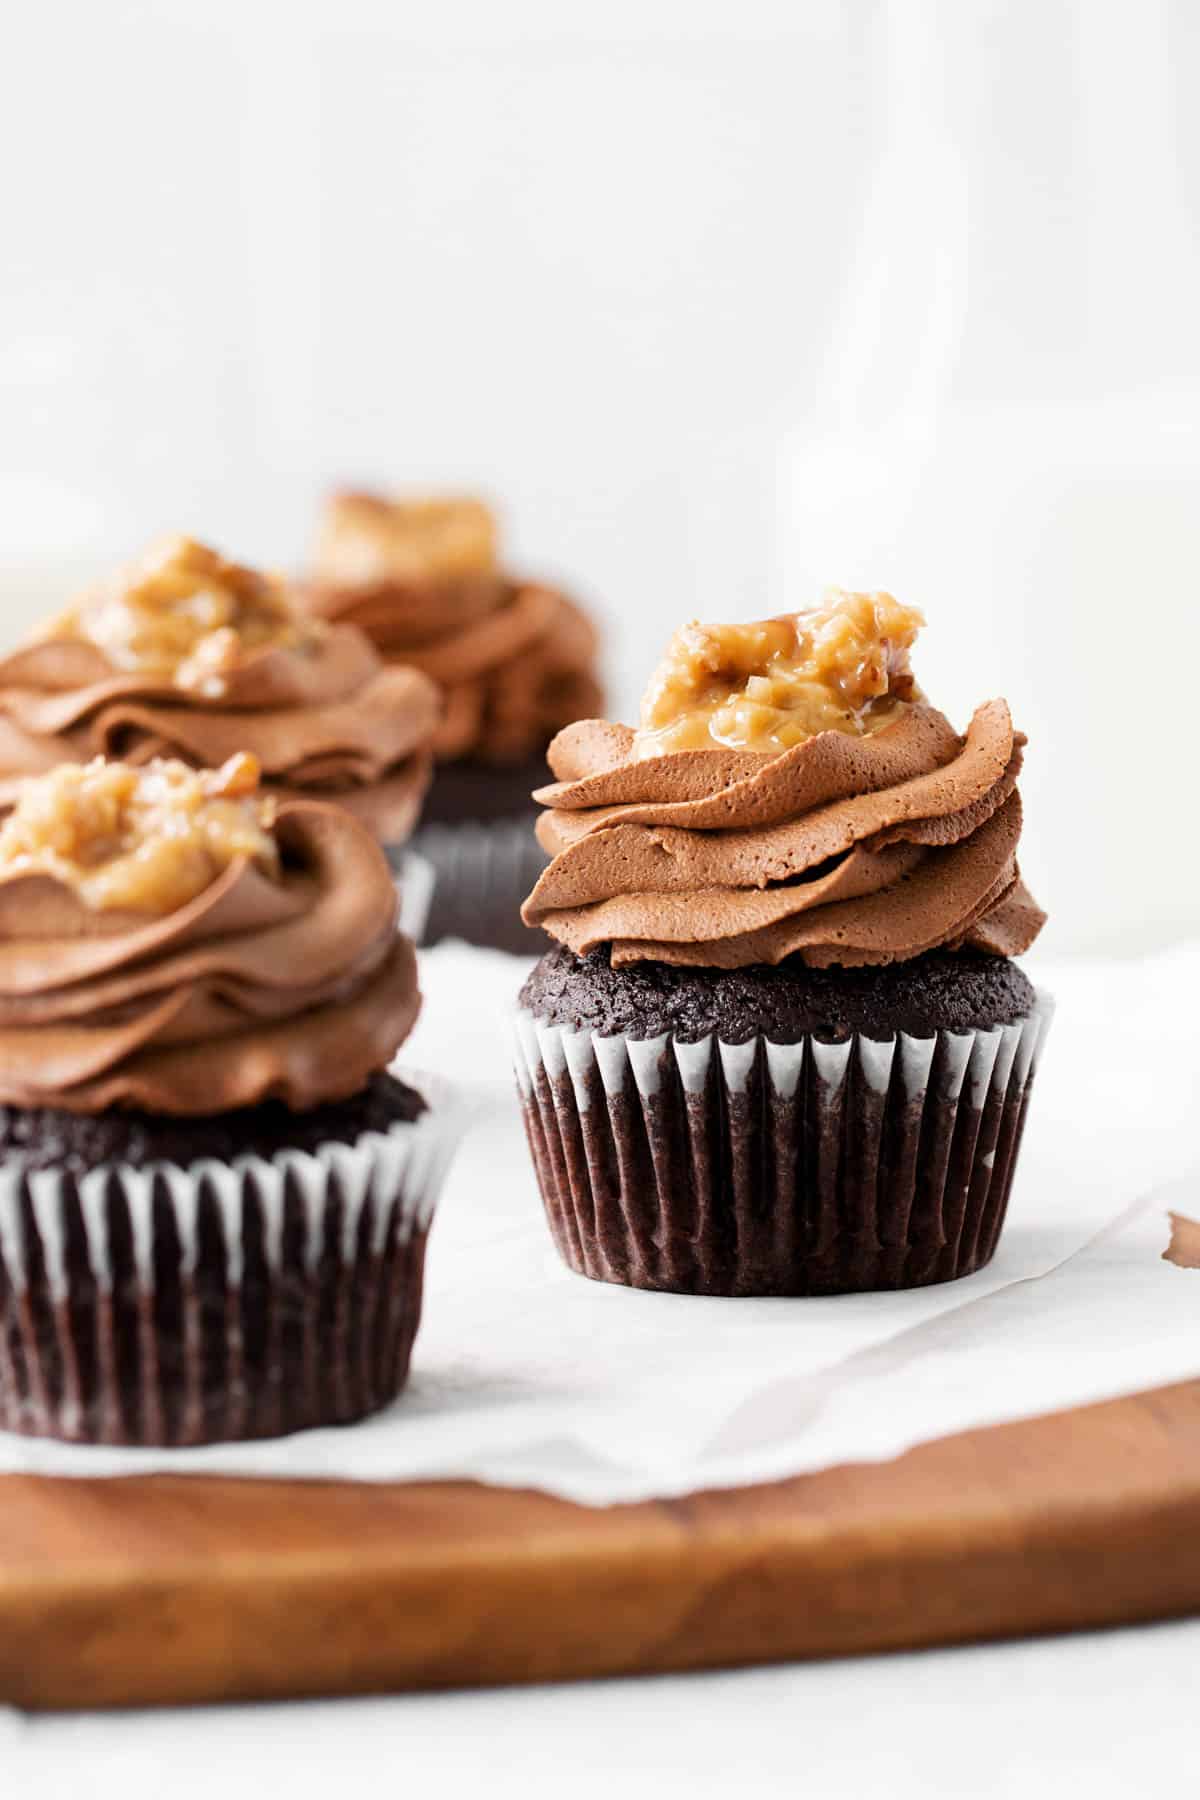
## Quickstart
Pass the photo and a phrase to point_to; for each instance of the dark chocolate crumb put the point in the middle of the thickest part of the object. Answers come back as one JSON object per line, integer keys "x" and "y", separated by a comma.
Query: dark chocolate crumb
{"x": 940, "y": 991}
{"x": 47, "y": 1138}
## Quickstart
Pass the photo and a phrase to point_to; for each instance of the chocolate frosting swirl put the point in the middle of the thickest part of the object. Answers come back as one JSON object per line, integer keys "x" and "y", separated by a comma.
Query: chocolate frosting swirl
{"x": 297, "y": 989}
{"x": 514, "y": 659}
{"x": 325, "y": 718}
{"x": 840, "y": 850}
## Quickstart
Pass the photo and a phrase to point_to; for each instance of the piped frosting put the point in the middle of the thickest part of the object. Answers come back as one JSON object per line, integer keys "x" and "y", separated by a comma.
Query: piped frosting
{"x": 515, "y": 660}
{"x": 847, "y": 850}
{"x": 314, "y": 704}
{"x": 292, "y": 985}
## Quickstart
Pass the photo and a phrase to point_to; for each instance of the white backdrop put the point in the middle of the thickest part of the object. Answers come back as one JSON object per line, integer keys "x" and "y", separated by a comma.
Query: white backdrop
{"x": 723, "y": 300}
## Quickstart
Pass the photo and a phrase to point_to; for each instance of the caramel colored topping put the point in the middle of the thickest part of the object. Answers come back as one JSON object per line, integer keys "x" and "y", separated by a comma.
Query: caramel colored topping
{"x": 140, "y": 839}
{"x": 768, "y": 686}
{"x": 186, "y": 614}
{"x": 367, "y": 538}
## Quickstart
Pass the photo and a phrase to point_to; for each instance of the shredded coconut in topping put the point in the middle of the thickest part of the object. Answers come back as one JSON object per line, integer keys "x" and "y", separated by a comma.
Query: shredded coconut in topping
{"x": 769, "y": 685}
{"x": 423, "y": 538}
{"x": 182, "y": 611}
{"x": 140, "y": 839}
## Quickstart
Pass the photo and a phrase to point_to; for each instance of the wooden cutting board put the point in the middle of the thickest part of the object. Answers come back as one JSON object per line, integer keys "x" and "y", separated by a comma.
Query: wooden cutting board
{"x": 178, "y": 1589}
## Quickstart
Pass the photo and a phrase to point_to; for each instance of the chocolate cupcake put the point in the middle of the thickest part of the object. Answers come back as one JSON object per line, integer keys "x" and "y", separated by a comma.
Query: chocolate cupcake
{"x": 516, "y": 661}
{"x": 781, "y": 1047}
{"x": 186, "y": 655}
{"x": 214, "y": 1197}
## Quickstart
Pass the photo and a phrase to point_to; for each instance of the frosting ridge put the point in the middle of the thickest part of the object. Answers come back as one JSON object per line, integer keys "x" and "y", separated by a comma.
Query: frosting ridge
{"x": 296, "y": 987}
{"x": 318, "y": 709}
{"x": 515, "y": 659}
{"x": 838, "y": 850}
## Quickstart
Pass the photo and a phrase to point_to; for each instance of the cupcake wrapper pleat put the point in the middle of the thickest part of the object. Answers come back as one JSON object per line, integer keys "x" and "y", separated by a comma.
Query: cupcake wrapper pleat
{"x": 763, "y": 1168}
{"x": 415, "y": 881}
{"x": 482, "y": 875}
{"x": 172, "y": 1306}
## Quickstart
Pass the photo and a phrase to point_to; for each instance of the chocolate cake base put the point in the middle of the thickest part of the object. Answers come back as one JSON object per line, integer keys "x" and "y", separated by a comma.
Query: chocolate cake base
{"x": 790, "y": 1131}
{"x": 45, "y": 1138}
{"x": 176, "y": 1282}
{"x": 940, "y": 991}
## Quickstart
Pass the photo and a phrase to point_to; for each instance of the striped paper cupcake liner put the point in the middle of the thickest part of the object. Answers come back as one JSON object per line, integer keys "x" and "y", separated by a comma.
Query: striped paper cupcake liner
{"x": 761, "y": 1168}
{"x": 169, "y": 1305}
{"x": 416, "y": 879}
{"x": 483, "y": 873}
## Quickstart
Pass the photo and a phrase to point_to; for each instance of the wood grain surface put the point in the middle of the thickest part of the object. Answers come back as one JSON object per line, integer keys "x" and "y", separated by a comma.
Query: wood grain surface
{"x": 179, "y": 1589}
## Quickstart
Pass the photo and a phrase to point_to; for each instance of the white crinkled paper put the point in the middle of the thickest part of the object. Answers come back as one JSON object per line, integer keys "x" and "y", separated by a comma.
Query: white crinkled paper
{"x": 526, "y": 1374}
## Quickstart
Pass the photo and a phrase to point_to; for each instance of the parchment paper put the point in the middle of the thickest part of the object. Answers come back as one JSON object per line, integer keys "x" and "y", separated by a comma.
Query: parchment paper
{"x": 527, "y": 1375}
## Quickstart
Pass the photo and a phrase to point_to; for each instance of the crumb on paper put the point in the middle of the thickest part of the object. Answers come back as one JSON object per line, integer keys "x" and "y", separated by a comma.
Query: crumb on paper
{"x": 1184, "y": 1247}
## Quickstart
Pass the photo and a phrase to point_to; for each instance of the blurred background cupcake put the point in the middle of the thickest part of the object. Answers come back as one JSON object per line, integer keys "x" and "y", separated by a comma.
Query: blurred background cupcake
{"x": 780, "y": 1046}
{"x": 185, "y": 654}
{"x": 516, "y": 660}
{"x": 214, "y": 1198}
